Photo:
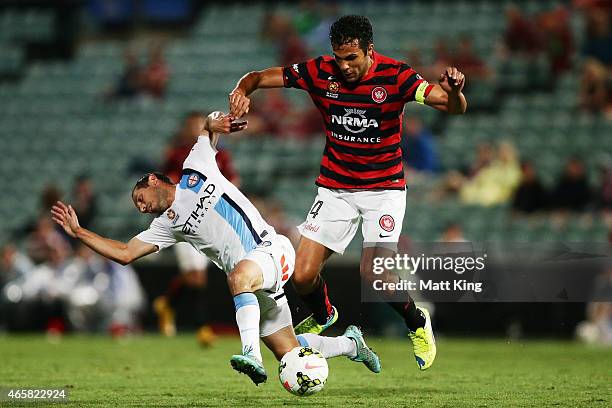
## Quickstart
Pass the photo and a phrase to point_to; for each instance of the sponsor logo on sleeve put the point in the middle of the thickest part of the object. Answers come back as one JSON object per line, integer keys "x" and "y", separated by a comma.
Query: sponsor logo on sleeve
{"x": 172, "y": 216}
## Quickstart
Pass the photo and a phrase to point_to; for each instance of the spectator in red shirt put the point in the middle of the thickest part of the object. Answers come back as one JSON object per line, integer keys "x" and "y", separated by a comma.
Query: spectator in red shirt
{"x": 521, "y": 35}
{"x": 470, "y": 63}
{"x": 156, "y": 74}
{"x": 558, "y": 42}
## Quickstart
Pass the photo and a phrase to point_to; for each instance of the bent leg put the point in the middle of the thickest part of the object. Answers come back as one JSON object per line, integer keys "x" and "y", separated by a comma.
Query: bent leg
{"x": 329, "y": 227}
{"x": 246, "y": 278}
{"x": 383, "y": 215}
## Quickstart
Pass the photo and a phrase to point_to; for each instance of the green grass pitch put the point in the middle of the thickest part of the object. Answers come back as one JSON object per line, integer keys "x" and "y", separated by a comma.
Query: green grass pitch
{"x": 153, "y": 371}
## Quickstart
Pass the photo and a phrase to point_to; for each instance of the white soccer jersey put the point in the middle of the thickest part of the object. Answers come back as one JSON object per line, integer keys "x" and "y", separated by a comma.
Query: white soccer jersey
{"x": 209, "y": 212}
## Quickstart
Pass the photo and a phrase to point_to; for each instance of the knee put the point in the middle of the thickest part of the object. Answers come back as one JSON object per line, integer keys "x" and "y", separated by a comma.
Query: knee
{"x": 231, "y": 280}
{"x": 239, "y": 280}
{"x": 305, "y": 275}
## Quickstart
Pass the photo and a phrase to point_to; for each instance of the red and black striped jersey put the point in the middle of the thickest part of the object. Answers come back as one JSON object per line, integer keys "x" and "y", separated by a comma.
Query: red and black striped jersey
{"x": 363, "y": 121}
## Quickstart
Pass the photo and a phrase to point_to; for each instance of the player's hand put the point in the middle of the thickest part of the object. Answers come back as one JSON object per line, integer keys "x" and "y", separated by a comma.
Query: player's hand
{"x": 452, "y": 80}
{"x": 239, "y": 104}
{"x": 65, "y": 216}
{"x": 219, "y": 122}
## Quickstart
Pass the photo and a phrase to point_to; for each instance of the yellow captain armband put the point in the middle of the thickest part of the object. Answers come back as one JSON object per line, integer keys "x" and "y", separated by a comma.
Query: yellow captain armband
{"x": 419, "y": 95}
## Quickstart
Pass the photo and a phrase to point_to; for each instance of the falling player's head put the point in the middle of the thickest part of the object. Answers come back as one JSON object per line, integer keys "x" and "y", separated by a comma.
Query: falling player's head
{"x": 352, "y": 43}
{"x": 153, "y": 193}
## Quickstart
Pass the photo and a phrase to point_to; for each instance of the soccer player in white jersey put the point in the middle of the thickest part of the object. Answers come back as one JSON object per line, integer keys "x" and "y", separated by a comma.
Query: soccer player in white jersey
{"x": 210, "y": 213}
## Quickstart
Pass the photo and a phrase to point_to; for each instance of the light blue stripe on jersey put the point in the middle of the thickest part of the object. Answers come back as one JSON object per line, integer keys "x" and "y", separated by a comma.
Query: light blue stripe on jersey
{"x": 236, "y": 221}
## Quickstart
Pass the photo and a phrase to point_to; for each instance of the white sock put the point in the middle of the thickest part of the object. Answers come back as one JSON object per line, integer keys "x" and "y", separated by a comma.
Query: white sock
{"x": 247, "y": 318}
{"x": 329, "y": 346}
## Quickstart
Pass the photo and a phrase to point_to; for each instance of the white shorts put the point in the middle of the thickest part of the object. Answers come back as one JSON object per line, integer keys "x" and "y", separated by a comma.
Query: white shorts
{"x": 189, "y": 258}
{"x": 334, "y": 217}
{"x": 276, "y": 258}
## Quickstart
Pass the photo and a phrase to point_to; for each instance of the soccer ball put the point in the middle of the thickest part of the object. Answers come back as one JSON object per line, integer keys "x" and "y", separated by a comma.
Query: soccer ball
{"x": 303, "y": 371}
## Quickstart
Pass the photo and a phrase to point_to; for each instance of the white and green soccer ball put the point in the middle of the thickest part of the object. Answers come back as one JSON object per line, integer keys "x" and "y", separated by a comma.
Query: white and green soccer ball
{"x": 303, "y": 371}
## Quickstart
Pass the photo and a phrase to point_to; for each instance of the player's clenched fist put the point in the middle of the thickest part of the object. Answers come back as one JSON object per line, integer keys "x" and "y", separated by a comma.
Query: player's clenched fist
{"x": 452, "y": 80}
{"x": 239, "y": 103}
{"x": 219, "y": 122}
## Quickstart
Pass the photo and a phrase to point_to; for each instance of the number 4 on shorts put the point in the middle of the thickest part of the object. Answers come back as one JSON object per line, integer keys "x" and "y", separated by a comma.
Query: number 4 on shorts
{"x": 314, "y": 211}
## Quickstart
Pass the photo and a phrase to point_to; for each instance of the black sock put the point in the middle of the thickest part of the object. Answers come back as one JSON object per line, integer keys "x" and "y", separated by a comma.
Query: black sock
{"x": 413, "y": 317}
{"x": 318, "y": 302}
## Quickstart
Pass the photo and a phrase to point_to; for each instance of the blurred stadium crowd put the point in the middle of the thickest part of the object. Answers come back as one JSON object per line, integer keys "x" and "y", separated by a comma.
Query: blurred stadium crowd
{"x": 529, "y": 162}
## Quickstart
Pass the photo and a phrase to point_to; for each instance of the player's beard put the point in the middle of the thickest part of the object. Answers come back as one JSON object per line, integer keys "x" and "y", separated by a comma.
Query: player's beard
{"x": 162, "y": 201}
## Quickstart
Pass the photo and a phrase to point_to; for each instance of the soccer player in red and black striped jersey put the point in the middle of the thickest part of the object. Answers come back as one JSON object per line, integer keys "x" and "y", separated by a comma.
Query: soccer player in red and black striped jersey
{"x": 361, "y": 96}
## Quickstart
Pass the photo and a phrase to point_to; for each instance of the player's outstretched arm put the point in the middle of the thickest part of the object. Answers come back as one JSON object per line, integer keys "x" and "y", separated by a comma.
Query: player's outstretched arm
{"x": 239, "y": 100}
{"x": 446, "y": 96}
{"x": 117, "y": 251}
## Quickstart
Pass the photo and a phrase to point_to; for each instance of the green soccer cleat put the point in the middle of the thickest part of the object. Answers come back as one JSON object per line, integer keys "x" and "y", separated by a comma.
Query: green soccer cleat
{"x": 424, "y": 343}
{"x": 251, "y": 366}
{"x": 365, "y": 355}
{"x": 310, "y": 325}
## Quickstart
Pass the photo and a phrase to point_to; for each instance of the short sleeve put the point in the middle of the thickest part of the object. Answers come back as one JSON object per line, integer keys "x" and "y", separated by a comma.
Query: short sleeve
{"x": 158, "y": 234}
{"x": 412, "y": 86}
{"x": 298, "y": 76}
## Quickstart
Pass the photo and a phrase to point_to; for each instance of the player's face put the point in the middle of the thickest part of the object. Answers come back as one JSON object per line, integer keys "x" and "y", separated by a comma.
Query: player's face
{"x": 352, "y": 60}
{"x": 150, "y": 200}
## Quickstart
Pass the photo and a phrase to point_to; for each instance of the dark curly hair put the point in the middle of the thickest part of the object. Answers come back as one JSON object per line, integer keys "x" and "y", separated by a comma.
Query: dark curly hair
{"x": 144, "y": 180}
{"x": 349, "y": 28}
